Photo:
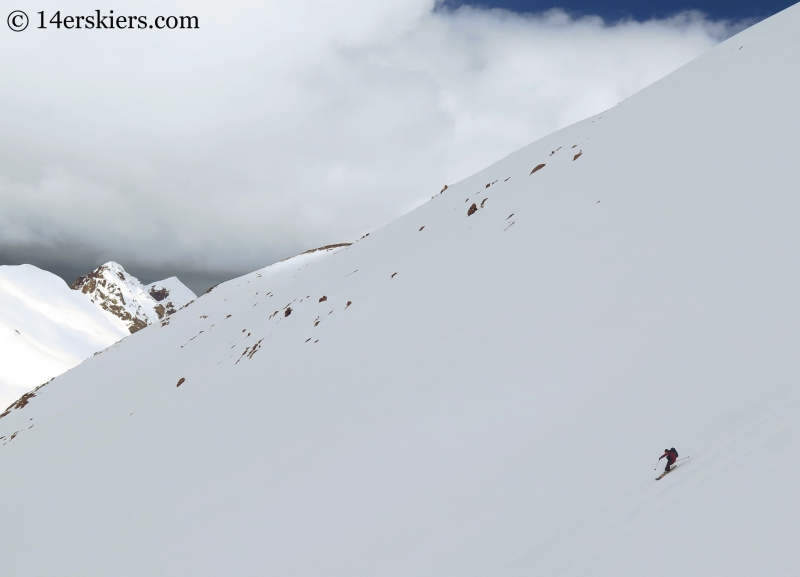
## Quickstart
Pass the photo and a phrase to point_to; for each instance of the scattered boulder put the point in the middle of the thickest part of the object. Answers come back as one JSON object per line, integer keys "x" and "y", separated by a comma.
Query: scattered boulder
{"x": 255, "y": 349}
{"x": 158, "y": 294}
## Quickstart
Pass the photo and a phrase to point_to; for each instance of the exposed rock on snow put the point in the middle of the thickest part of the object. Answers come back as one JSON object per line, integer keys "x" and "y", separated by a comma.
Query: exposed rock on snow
{"x": 136, "y": 305}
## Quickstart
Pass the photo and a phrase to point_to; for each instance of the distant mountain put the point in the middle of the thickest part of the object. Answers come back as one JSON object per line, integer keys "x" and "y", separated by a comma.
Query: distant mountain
{"x": 478, "y": 388}
{"x": 46, "y": 328}
{"x": 122, "y": 295}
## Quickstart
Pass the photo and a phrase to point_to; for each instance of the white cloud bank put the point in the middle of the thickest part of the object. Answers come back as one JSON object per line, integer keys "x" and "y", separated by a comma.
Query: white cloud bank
{"x": 282, "y": 125}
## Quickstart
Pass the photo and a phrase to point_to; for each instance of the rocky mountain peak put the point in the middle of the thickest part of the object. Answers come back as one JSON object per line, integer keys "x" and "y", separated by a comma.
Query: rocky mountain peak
{"x": 122, "y": 295}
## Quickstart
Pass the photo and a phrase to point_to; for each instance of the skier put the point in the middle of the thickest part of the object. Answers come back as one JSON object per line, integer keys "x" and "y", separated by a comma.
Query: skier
{"x": 672, "y": 456}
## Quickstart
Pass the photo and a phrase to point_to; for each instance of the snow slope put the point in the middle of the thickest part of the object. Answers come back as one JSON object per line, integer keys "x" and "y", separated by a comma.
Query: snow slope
{"x": 471, "y": 395}
{"x": 45, "y": 329}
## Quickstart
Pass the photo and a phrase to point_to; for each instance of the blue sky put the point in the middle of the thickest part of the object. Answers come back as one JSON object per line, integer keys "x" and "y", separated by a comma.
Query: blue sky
{"x": 615, "y": 9}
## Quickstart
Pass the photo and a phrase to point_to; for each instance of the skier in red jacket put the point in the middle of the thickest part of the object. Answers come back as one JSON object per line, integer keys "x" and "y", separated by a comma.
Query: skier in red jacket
{"x": 672, "y": 456}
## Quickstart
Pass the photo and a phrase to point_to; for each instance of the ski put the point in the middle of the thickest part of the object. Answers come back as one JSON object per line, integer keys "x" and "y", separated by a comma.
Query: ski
{"x": 662, "y": 475}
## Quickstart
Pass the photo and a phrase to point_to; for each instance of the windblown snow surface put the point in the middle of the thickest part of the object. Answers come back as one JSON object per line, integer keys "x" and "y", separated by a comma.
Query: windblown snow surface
{"x": 484, "y": 396}
{"x": 45, "y": 329}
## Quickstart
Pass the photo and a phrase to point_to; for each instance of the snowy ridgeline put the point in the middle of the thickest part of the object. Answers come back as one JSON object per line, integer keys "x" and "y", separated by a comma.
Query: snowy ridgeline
{"x": 483, "y": 386}
{"x": 46, "y": 328}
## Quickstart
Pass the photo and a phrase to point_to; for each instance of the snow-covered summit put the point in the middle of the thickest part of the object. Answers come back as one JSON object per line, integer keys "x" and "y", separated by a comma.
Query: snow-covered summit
{"x": 46, "y": 328}
{"x": 121, "y": 294}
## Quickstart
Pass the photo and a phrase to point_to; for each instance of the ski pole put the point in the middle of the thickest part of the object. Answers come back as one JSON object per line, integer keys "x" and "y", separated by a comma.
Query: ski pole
{"x": 657, "y": 462}
{"x": 681, "y": 459}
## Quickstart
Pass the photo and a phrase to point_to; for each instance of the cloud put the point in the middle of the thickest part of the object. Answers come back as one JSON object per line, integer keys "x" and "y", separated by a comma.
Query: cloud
{"x": 279, "y": 126}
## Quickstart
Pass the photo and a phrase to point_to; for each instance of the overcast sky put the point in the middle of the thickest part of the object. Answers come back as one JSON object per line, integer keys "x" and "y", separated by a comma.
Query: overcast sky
{"x": 281, "y": 126}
